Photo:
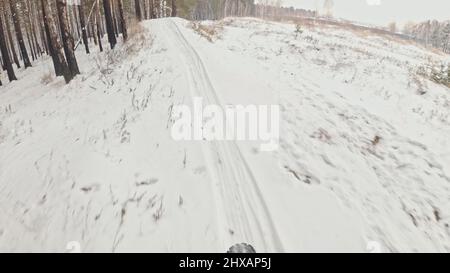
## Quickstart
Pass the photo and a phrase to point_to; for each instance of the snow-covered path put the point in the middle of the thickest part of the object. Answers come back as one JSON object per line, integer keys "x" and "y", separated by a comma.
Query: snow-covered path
{"x": 239, "y": 197}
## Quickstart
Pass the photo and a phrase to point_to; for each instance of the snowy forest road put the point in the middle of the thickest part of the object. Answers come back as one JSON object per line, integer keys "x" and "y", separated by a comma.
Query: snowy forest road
{"x": 247, "y": 216}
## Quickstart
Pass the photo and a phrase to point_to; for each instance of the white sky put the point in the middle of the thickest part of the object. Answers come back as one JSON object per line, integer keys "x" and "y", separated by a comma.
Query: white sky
{"x": 382, "y": 12}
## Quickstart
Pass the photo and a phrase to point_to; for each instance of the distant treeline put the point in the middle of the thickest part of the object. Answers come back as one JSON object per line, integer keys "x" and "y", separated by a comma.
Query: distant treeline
{"x": 430, "y": 33}
{"x": 218, "y": 9}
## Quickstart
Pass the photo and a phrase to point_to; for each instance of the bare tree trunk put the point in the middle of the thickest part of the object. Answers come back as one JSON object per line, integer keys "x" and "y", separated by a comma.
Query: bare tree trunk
{"x": 11, "y": 41}
{"x": 76, "y": 22}
{"x": 152, "y": 9}
{"x": 123, "y": 21}
{"x": 98, "y": 24}
{"x": 18, "y": 30}
{"x": 109, "y": 23}
{"x": 28, "y": 28}
{"x": 83, "y": 25}
{"x": 137, "y": 6}
{"x": 44, "y": 37}
{"x": 61, "y": 67}
{"x": 33, "y": 26}
{"x": 92, "y": 27}
{"x": 144, "y": 4}
{"x": 27, "y": 32}
{"x": 114, "y": 17}
{"x": 4, "y": 51}
{"x": 67, "y": 38}
{"x": 174, "y": 8}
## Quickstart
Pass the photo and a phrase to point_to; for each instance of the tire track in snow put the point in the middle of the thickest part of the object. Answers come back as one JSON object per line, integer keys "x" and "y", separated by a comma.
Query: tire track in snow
{"x": 247, "y": 217}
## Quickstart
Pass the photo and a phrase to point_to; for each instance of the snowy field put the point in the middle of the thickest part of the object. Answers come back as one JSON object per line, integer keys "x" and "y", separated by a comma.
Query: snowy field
{"x": 364, "y": 155}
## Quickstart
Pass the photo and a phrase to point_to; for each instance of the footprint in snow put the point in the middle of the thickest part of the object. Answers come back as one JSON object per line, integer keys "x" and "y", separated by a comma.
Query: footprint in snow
{"x": 147, "y": 182}
{"x": 200, "y": 170}
{"x": 90, "y": 188}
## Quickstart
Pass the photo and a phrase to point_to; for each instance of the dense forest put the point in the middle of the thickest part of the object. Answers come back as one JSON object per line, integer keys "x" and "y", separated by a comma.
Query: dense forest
{"x": 30, "y": 29}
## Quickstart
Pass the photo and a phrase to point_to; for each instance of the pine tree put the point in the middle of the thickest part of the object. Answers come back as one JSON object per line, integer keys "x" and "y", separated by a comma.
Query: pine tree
{"x": 83, "y": 25}
{"x": 59, "y": 62}
{"x": 67, "y": 38}
{"x": 109, "y": 23}
{"x": 122, "y": 19}
{"x": 18, "y": 31}
{"x": 32, "y": 20}
{"x": 5, "y": 54}
{"x": 174, "y": 9}
{"x": 10, "y": 38}
{"x": 137, "y": 6}
{"x": 152, "y": 9}
{"x": 144, "y": 7}
{"x": 98, "y": 25}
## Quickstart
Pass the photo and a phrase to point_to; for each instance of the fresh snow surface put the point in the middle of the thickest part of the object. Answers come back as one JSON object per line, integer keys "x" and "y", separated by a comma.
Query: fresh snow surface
{"x": 363, "y": 161}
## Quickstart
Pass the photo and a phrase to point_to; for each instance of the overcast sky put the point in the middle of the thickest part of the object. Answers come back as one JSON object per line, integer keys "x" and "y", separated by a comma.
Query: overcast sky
{"x": 381, "y": 12}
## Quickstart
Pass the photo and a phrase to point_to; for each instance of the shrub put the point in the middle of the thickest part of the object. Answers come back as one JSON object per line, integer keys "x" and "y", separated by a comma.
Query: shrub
{"x": 438, "y": 73}
{"x": 298, "y": 30}
{"x": 441, "y": 75}
{"x": 210, "y": 32}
